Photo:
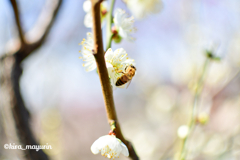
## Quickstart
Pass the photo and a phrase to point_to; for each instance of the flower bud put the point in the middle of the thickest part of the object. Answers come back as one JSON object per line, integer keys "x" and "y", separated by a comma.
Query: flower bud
{"x": 203, "y": 118}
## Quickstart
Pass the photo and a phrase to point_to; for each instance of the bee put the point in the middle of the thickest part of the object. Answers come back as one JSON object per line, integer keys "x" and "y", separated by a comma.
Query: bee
{"x": 127, "y": 75}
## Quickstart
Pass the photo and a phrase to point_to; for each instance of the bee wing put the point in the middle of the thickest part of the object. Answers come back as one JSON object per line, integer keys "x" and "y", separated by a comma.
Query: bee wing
{"x": 128, "y": 83}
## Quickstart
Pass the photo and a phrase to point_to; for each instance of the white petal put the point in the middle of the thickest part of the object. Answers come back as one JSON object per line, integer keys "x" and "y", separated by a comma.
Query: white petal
{"x": 87, "y": 6}
{"x": 109, "y": 146}
{"x": 129, "y": 62}
{"x": 123, "y": 24}
{"x": 124, "y": 150}
{"x": 88, "y": 20}
{"x": 95, "y": 147}
{"x": 110, "y": 69}
{"x": 104, "y": 4}
{"x": 86, "y": 51}
{"x": 109, "y": 54}
{"x": 91, "y": 67}
{"x": 141, "y": 8}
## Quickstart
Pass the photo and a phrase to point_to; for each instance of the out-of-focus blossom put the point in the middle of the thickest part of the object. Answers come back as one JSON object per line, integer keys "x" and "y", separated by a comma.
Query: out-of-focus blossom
{"x": 141, "y": 8}
{"x": 183, "y": 131}
{"x": 87, "y": 53}
{"x": 109, "y": 146}
{"x": 203, "y": 118}
{"x": 88, "y": 20}
{"x": 215, "y": 146}
{"x": 115, "y": 61}
{"x": 123, "y": 25}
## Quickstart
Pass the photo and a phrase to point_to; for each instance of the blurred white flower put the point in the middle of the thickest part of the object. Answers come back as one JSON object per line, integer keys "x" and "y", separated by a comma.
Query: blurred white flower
{"x": 123, "y": 25}
{"x": 115, "y": 61}
{"x": 183, "y": 131}
{"x": 109, "y": 146}
{"x": 141, "y": 8}
{"x": 87, "y": 53}
{"x": 88, "y": 20}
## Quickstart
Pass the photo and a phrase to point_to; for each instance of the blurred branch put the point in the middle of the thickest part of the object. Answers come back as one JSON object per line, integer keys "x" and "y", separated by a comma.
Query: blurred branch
{"x": 104, "y": 78}
{"x": 225, "y": 92}
{"x": 226, "y": 85}
{"x": 38, "y": 34}
{"x": 18, "y": 22}
{"x": 11, "y": 72}
{"x": 169, "y": 148}
{"x": 198, "y": 91}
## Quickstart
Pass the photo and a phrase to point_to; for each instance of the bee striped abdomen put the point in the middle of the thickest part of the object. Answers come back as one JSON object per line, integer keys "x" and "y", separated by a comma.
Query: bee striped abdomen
{"x": 121, "y": 81}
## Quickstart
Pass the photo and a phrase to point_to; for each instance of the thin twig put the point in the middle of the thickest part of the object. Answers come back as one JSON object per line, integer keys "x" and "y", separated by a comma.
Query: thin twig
{"x": 169, "y": 148}
{"x": 226, "y": 85}
{"x": 103, "y": 75}
{"x": 183, "y": 153}
{"x": 18, "y": 22}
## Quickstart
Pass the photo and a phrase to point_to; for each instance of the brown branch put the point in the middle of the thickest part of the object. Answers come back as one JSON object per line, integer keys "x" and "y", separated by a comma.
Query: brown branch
{"x": 11, "y": 72}
{"x": 103, "y": 75}
{"x": 18, "y": 22}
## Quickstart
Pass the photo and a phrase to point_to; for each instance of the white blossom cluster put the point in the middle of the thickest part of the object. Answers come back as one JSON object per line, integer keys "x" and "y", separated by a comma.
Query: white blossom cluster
{"x": 117, "y": 61}
{"x": 122, "y": 24}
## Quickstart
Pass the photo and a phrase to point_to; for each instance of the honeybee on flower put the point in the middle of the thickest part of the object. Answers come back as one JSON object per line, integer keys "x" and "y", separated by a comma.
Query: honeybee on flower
{"x": 118, "y": 61}
{"x": 115, "y": 61}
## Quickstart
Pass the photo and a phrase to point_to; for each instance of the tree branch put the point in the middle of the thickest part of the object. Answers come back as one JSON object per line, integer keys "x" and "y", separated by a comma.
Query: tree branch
{"x": 38, "y": 34}
{"x": 103, "y": 75}
{"x": 11, "y": 72}
{"x": 18, "y": 22}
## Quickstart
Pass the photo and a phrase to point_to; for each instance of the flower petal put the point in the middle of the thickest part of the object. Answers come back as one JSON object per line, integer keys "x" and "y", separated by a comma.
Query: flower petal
{"x": 88, "y": 20}
{"x": 87, "y": 6}
{"x": 124, "y": 150}
{"x": 109, "y": 55}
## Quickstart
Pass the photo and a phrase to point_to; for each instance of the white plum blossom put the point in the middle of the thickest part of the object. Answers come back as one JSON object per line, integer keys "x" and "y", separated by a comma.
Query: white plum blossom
{"x": 124, "y": 25}
{"x": 87, "y": 53}
{"x": 115, "y": 61}
{"x": 109, "y": 146}
{"x": 141, "y": 8}
{"x": 88, "y": 20}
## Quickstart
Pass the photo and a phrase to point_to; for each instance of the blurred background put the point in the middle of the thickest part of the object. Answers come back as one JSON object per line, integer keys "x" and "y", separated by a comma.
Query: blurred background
{"x": 67, "y": 105}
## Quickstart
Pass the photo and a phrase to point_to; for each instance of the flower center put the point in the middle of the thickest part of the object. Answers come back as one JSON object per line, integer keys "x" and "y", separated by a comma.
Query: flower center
{"x": 107, "y": 152}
